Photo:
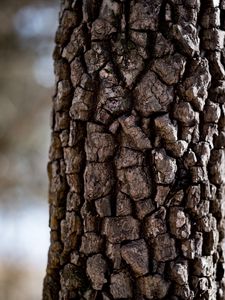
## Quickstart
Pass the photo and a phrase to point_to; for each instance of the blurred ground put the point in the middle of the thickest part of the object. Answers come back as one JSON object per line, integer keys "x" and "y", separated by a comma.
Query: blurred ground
{"x": 26, "y": 85}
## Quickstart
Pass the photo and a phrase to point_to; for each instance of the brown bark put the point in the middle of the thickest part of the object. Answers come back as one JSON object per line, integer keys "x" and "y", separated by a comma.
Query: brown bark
{"x": 137, "y": 159}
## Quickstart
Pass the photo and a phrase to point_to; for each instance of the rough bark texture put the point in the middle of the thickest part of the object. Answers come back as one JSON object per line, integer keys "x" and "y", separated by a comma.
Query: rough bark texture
{"x": 137, "y": 159}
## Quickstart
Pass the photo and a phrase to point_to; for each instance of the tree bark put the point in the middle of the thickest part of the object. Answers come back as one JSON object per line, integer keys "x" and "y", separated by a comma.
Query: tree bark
{"x": 137, "y": 158}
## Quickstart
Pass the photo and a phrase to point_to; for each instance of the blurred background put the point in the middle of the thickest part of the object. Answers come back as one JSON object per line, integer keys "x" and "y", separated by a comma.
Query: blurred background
{"x": 26, "y": 86}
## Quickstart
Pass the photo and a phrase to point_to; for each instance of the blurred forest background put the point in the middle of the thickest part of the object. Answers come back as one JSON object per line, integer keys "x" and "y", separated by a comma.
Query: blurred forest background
{"x": 26, "y": 86}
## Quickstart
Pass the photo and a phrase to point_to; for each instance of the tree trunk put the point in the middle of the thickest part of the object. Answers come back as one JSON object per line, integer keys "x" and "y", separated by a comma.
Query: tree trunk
{"x": 137, "y": 158}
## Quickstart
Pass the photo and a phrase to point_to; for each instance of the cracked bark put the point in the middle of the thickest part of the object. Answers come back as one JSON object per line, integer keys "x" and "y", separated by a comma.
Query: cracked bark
{"x": 137, "y": 159}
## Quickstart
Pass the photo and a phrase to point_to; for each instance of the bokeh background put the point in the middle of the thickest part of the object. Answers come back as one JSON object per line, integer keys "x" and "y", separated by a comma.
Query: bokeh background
{"x": 27, "y": 29}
